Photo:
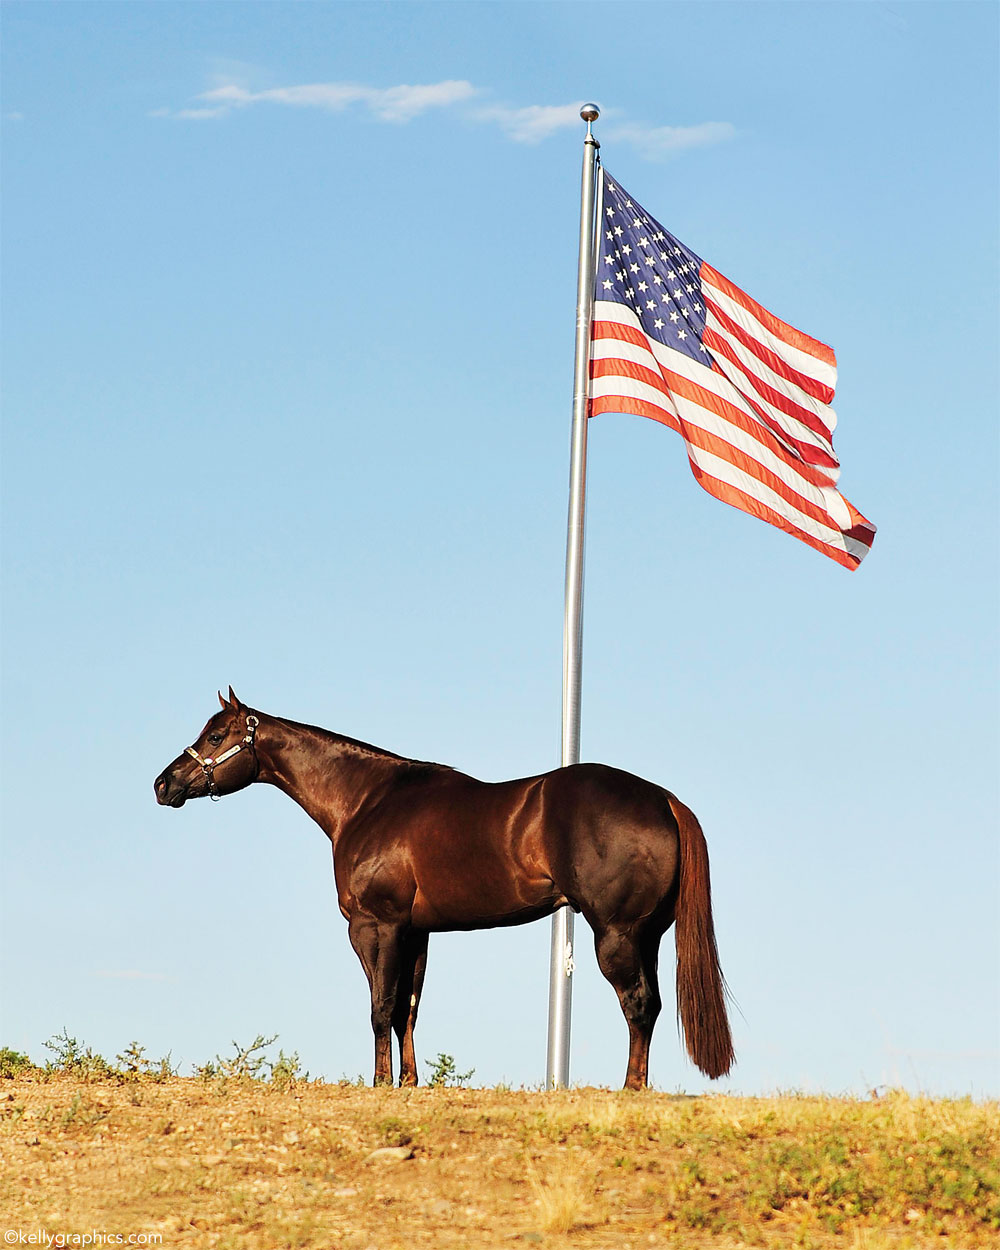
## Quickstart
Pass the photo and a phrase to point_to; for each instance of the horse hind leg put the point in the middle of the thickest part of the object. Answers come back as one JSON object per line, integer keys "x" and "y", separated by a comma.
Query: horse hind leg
{"x": 629, "y": 963}
{"x": 404, "y": 1016}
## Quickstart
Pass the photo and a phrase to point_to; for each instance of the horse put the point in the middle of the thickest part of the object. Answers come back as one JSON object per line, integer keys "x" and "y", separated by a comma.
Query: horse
{"x": 421, "y": 848}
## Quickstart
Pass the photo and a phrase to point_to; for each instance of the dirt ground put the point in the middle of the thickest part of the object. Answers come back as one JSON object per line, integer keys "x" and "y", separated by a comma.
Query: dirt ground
{"x": 245, "y": 1165}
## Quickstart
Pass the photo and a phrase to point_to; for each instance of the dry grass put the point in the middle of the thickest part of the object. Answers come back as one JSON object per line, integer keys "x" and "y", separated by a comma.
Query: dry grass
{"x": 246, "y": 1165}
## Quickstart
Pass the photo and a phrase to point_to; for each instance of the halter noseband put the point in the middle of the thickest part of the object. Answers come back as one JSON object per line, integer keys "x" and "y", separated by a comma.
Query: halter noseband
{"x": 209, "y": 765}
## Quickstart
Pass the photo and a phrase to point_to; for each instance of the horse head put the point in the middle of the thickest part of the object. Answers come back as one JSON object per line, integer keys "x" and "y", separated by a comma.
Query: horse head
{"x": 227, "y": 744}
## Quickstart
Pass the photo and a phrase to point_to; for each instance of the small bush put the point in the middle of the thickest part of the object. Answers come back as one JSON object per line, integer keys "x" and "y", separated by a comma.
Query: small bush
{"x": 285, "y": 1070}
{"x": 77, "y": 1060}
{"x": 443, "y": 1072}
{"x": 246, "y": 1064}
{"x": 12, "y": 1063}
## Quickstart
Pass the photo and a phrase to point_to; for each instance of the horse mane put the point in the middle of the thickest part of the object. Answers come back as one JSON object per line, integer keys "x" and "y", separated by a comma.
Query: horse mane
{"x": 359, "y": 749}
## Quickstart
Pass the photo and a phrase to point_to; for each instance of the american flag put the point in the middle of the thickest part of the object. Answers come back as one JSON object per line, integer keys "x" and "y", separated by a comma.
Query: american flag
{"x": 674, "y": 340}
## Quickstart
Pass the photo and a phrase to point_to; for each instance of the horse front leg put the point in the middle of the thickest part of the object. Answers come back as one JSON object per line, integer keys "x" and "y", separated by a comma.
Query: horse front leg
{"x": 411, "y": 982}
{"x": 378, "y": 946}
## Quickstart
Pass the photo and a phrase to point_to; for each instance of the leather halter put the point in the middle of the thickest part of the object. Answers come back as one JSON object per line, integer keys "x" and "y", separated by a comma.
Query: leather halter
{"x": 209, "y": 765}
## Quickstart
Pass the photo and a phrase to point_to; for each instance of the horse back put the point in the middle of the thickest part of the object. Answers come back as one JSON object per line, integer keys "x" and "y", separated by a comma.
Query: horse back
{"x": 449, "y": 851}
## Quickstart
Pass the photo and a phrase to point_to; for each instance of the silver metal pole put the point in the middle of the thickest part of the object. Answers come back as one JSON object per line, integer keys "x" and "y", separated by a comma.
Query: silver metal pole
{"x": 561, "y": 952}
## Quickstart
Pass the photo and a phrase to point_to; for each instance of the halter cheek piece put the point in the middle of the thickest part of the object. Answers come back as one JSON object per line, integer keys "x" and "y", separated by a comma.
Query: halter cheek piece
{"x": 209, "y": 765}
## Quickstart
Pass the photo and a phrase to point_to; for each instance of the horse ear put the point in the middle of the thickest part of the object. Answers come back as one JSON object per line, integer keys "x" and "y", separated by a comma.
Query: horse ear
{"x": 221, "y": 699}
{"x": 233, "y": 698}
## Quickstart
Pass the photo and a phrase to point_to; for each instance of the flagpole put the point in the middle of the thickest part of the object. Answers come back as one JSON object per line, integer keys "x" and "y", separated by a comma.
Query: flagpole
{"x": 561, "y": 952}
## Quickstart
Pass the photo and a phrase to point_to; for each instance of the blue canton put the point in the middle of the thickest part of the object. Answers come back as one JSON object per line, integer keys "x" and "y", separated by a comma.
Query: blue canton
{"x": 644, "y": 267}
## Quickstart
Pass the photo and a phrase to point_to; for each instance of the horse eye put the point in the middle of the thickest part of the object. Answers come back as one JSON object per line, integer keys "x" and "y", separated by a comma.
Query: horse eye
{"x": 215, "y": 739}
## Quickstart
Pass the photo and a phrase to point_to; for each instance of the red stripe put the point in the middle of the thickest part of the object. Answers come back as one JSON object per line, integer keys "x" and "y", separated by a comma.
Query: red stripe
{"x": 665, "y": 380}
{"x": 716, "y": 446}
{"x": 811, "y": 386}
{"x": 636, "y": 407}
{"x": 862, "y": 529}
{"x": 780, "y": 329}
{"x": 737, "y": 499}
{"x": 731, "y": 495}
{"x": 719, "y": 347}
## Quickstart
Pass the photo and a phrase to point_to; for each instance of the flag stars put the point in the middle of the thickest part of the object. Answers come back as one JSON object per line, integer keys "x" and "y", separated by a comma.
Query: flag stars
{"x": 648, "y": 272}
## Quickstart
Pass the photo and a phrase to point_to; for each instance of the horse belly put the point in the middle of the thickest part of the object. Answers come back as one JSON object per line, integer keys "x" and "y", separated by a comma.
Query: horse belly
{"x": 476, "y": 893}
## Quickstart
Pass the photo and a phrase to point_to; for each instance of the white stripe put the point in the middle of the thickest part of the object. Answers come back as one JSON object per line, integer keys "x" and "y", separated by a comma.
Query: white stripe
{"x": 792, "y": 392}
{"x": 701, "y": 375}
{"x": 826, "y": 499}
{"x": 802, "y": 361}
{"x": 743, "y": 386}
{"x": 735, "y": 477}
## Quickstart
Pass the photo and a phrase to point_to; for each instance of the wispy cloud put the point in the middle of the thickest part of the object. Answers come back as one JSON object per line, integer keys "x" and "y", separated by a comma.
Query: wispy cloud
{"x": 657, "y": 142}
{"x": 131, "y": 974}
{"x": 534, "y": 123}
{"x": 527, "y": 124}
{"x": 388, "y": 104}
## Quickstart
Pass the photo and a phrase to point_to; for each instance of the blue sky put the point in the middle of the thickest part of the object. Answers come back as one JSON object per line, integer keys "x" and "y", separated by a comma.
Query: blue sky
{"x": 289, "y": 312}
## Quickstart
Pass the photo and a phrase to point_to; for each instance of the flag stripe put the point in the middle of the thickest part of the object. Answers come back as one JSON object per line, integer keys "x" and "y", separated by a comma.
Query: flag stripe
{"x": 850, "y": 559}
{"x": 745, "y": 501}
{"x": 754, "y": 386}
{"x": 780, "y": 329}
{"x": 632, "y": 344}
{"x": 801, "y": 362}
{"x": 706, "y": 416}
{"x": 711, "y": 424}
{"x": 800, "y": 381}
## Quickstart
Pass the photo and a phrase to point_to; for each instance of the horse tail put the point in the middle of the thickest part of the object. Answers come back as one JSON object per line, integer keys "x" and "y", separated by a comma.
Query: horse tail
{"x": 701, "y": 987}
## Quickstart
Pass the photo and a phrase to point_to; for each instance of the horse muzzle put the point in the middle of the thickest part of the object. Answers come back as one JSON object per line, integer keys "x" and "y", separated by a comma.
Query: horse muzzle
{"x": 167, "y": 794}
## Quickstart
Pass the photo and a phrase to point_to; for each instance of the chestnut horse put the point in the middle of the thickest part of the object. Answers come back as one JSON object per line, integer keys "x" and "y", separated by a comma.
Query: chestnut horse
{"x": 421, "y": 848}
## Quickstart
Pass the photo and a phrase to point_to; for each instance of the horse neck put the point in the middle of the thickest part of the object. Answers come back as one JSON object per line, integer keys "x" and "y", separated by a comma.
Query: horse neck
{"x": 330, "y": 777}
